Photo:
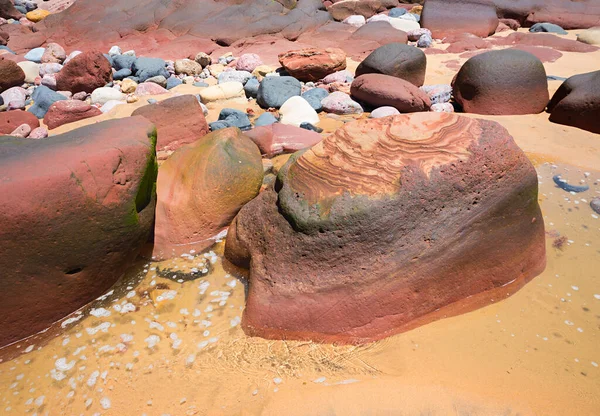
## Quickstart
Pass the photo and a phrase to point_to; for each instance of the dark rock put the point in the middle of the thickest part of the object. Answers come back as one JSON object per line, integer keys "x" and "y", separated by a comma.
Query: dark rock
{"x": 121, "y": 74}
{"x": 145, "y": 68}
{"x": 504, "y": 82}
{"x": 577, "y": 102}
{"x": 86, "y": 72}
{"x": 397, "y": 60}
{"x": 251, "y": 88}
{"x": 379, "y": 90}
{"x": 172, "y": 82}
{"x": 311, "y": 127}
{"x": 265, "y": 119}
{"x": 11, "y": 75}
{"x": 547, "y": 27}
{"x": 274, "y": 91}
{"x": 123, "y": 62}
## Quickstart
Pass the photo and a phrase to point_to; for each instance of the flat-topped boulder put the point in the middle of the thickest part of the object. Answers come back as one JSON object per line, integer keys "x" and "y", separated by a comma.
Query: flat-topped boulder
{"x": 75, "y": 210}
{"x": 385, "y": 222}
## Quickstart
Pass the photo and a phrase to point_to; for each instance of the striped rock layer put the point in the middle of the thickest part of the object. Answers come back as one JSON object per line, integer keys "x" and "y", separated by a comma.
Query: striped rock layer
{"x": 387, "y": 224}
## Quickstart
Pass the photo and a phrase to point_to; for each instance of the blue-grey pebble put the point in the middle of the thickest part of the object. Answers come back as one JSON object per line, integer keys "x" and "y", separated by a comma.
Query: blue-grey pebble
{"x": 274, "y": 91}
{"x": 152, "y": 100}
{"x": 312, "y": 127}
{"x": 547, "y": 27}
{"x": 43, "y": 97}
{"x": 35, "y": 55}
{"x": 397, "y": 12}
{"x": 173, "y": 82}
{"x": 265, "y": 119}
{"x": 200, "y": 84}
{"x": 122, "y": 74}
{"x": 251, "y": 88}
{"x": 145, "y": 68}
{"x": 30, "y": 6}
{"x": 6, "y": 48}
{"x": 235, "y": 118}
{"x": 123, "y": 62}
{"x": 21, "y": 9}
{"x": 218, "y": 125}
{"x": 314, "y": 97}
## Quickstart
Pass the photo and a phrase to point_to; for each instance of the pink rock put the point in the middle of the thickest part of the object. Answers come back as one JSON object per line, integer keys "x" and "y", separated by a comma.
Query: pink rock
{"x": 340, "y": 76}
{"x": 22, "y": 131}
{"x": 50, "y": 68}
{"x": 49, "y": 80}
{"x": 277, "y": 138}
{"x": 81, "y": 96}
{"x": 248, "y": 62}
{"x": 149, "y": 88}
{"x": 71, "y": 56}
{"x": 415, "y": 35}
{"x": 38, "y": 133}
{"x": 340, "y": 103}
{"x": 14, "y": 94}
{"x": 442, "y": 108}
{"x": 54, "y": 53}
{"x": 68, "y": 111}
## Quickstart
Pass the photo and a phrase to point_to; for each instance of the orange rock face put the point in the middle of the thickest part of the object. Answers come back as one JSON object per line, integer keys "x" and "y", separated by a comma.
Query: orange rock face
{"x": 385, "y": 223}
{"x": 201, "y": 187}
{"x": 313, "y": 64}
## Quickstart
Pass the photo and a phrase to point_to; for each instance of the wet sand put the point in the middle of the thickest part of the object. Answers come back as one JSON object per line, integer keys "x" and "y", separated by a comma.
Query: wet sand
{"x": 533, "y": 353}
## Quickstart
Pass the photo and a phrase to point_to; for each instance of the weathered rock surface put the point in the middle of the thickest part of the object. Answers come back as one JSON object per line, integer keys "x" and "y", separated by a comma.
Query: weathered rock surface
{"x": 384, "y": 222}
{"x": 379, "y": 90}
{"x": 313, "y": 64}
{"x": 275, "y": 139}
{"x": 462, "y": 16}
{"x": 577, "y": 102}
{"x": 69, "y": 111}
{"x": 201, "y": 187}
{"x": 179, "y": 121}
{"x": 11, "y": 75}
{"x": 8, "y": 11}
{"x": 10, "y": 120}
{"x": 502, "y": 83}
{"x": 397, "y": 60}
{"x": 75, "y": 209}
{"x": 381, "y": 32}
{"x": 590, "y": 36}
{"x": 85, "y": 72}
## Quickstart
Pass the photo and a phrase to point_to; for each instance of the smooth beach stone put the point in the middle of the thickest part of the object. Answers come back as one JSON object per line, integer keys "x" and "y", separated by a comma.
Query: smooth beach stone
{"x": 297, "y": 110}
{"x": 340, "y": 103}
{"x": 590, "y": 36}
{"x": 314, "y": 96}
{"x": 248, "y": 62}
{"x": 103, "y": 95}
{"x": 353, "y": 202}
{"x": 122, "y": 74}
{"x": 145, "y": 68}
{"x": 234, "y": 118}
{"x": 397, "y": 12}
{"x": 172, "y": 82}
{"x": 445, "y": 18}
{"x": 384, "y": 111}
{"x": 251, "y": 87}
{"x": 265, "y": 119}
{"x": 201, "y": 187}
{"x": 90, "y": 194}
{"x": 548, "y": 27}
{"x": 158, "y": 80}
{"x": 503, "y": 82}
{"x": 69, "y": 111}
{"x": 123, "y": 62}
{"x": 234, "y": 76}
{"x": 35, "y": 55}
{"x": 383, "y": 90}
{"x": 223, "y": 91}
{"x": 10, "y": 120}
{"x": 43, "y": 97}
{"x": 274, "y": 91}
{"x": 355, "y": 20}
{"x": 398, "y": 60}
{"x": 85, "y": 72}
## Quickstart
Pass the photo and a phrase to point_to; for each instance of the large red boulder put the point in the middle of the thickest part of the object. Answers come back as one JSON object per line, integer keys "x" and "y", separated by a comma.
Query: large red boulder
{"x": 388, "y": 223}
{"x": 179, "y": 121}
{"x": 201, "y": 188}
{"x": 10, "y": 120}
{"x": 11, "y": 75}
{"x": 74, "y": 211}
{"x": 460, "y": 16}
{"x": 275, "y": 139}
{"x": 505, "y": 82}
{"x": 313, "y": 64}
{"x": 380, "y": 90}
{"x": 84, "y": 73}
{"x": 577, "y": 102}
{"x": 398, "y": 60}
{"x": 69, "y": 111}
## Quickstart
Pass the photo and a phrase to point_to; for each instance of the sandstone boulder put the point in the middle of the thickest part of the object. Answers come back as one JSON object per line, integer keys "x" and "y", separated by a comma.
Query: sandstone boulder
{"x": 179, "y": 121}
{"x": 201, "y": 187}
{"x": 8, "y": 10}
{"x": 398, "y": 60}
{"x": 380, "y": 32}
{"x": 502, "y": 82}
{"x": 275, "y": 139}
{"x": 577, "y": 102}
{"x": 11, "y": 75}
{"x": 384, "y": 223}
{"x": 379, "y": 90}
{"x": 461, "y": 16}
{"x": 69, "y": 111}
{"x": 85, "y": 72}
{"x": 313, "y": 64}
{"x": 75, "y": 209}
